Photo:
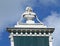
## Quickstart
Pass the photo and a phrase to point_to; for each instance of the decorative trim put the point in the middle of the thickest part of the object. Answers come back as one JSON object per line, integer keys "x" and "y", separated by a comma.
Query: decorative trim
{"x": 26, "y": 34}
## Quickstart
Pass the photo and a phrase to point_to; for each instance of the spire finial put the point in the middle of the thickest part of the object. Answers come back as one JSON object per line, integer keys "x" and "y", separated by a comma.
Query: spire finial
{"x": 28, "y": 9}
{"x": 29, "y": 15}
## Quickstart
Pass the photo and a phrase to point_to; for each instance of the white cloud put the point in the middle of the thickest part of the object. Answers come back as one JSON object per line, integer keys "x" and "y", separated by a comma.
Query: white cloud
{"x": 10, "y": 12}
{"x": 53, "y": 20}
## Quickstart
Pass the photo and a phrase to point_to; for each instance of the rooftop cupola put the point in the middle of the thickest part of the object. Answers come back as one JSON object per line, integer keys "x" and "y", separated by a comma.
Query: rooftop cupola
{"x": 30, "y": 33}
{"x": 29, "y": 15}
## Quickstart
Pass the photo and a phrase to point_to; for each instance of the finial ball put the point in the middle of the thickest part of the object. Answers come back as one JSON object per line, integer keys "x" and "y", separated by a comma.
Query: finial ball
{"x": 28, "y": 9}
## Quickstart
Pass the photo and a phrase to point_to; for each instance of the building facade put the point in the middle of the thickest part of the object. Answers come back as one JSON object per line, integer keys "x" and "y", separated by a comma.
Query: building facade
{"x": 30, "y": 33}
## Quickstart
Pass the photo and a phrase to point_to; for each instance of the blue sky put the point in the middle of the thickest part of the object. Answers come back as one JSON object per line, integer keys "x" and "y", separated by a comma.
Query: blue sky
{"x": 48, "y": 11}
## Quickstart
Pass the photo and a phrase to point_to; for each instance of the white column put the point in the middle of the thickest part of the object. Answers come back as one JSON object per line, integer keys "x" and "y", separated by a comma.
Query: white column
{"x": 11, "y": 39}
{"x": 50, "y": 40}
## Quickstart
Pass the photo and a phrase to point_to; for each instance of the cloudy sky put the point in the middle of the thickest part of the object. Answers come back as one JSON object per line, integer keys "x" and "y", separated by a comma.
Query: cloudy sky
{"x": 48, "y": 11}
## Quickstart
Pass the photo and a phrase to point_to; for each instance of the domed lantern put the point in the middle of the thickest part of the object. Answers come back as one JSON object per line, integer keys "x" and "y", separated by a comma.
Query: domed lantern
{"x": 30, "y": 33}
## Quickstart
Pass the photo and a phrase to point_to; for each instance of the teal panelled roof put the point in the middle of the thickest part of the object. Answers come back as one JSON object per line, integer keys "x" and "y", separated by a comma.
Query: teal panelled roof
{"x": 31, "y": 41}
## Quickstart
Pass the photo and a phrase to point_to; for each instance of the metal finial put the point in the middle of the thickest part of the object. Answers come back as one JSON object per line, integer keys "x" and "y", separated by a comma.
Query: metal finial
{"x": 29, "y": 9}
